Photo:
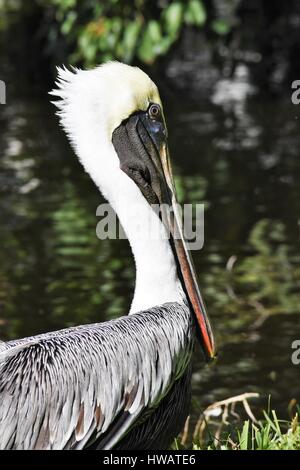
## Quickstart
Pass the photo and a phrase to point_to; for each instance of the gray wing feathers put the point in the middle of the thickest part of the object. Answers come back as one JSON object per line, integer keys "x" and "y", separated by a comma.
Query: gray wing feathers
{"x": 67, "y": 388}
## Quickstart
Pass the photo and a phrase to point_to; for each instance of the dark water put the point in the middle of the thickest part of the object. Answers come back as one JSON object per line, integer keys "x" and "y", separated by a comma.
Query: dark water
{"x": 235, "y": 150}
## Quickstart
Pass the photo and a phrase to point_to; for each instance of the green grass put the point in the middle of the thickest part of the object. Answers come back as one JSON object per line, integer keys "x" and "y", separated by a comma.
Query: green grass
{"x": 268, "y": 434}
{"x": 271, "y": 434}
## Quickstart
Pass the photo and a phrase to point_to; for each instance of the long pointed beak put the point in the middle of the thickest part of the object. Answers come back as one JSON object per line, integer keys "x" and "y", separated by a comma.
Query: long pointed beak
{"x": 185, "y": 263}
{"x": 147, "y": 163}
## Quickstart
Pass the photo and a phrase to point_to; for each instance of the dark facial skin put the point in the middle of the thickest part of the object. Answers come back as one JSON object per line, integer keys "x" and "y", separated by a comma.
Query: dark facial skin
{"x": 137, "y": 142}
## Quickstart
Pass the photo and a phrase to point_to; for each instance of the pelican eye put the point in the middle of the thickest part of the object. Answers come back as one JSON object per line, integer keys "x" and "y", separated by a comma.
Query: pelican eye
{"x": 154, "y": 111}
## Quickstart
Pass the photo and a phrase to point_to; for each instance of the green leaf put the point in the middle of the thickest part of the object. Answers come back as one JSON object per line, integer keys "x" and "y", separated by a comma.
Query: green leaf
{"x": 116, "y": 25}
{"x": 273, "y": 424}
{"x": 65, "y": 4}
{"x": 88, "y": 47}
{"x": 130, "y": 39}
{"x": 146, "y": 51}
{"x": 68, "y": 23}
{"x": 164, "y": 45}
{"x": 220, "y": 27}
{"x": 244, "y": 436}
{"x": 149, "y": 47}
{"x": 154, "y": 31}
{"x": 195, "y": 13}
{"x": 173, "y": 15}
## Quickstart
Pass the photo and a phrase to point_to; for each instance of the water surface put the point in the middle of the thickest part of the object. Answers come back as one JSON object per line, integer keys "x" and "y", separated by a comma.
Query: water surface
{"x": 235, "y": 150}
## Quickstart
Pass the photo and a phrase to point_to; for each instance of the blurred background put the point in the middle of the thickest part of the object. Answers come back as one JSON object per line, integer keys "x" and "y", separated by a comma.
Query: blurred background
{"x": 224, "y": 69}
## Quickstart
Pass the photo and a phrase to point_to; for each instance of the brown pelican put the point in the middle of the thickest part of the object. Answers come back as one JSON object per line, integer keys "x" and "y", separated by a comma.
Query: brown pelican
{"x": 124, "y": 383}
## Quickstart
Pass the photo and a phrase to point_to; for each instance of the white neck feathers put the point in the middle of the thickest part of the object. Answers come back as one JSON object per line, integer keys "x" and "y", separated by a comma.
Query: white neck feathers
{"x": 85, "y": 114}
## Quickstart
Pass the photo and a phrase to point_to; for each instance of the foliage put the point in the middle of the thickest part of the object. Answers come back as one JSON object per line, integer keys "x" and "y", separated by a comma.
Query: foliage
{"x": 119, "y": 29}
{"x": 125, "y": 30}
{"x": 269, "y": 433}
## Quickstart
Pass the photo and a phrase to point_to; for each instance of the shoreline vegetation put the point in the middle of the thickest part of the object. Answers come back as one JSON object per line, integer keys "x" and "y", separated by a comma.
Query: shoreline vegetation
{"x": 220, "y": 427}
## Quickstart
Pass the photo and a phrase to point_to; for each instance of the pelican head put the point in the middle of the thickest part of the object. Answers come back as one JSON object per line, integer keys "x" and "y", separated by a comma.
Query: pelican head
{"x": 114, "y": 119}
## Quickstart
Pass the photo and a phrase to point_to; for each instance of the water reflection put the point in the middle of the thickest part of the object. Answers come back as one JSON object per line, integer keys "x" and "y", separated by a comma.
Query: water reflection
{"x": 240, "y": 159}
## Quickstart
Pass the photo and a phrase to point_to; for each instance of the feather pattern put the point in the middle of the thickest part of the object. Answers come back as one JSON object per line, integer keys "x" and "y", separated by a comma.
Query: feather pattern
{"x": 67, "y": 389}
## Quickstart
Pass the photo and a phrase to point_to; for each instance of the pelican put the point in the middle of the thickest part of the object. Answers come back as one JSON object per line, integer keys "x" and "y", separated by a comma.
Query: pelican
{"x": 125, "y": 383}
